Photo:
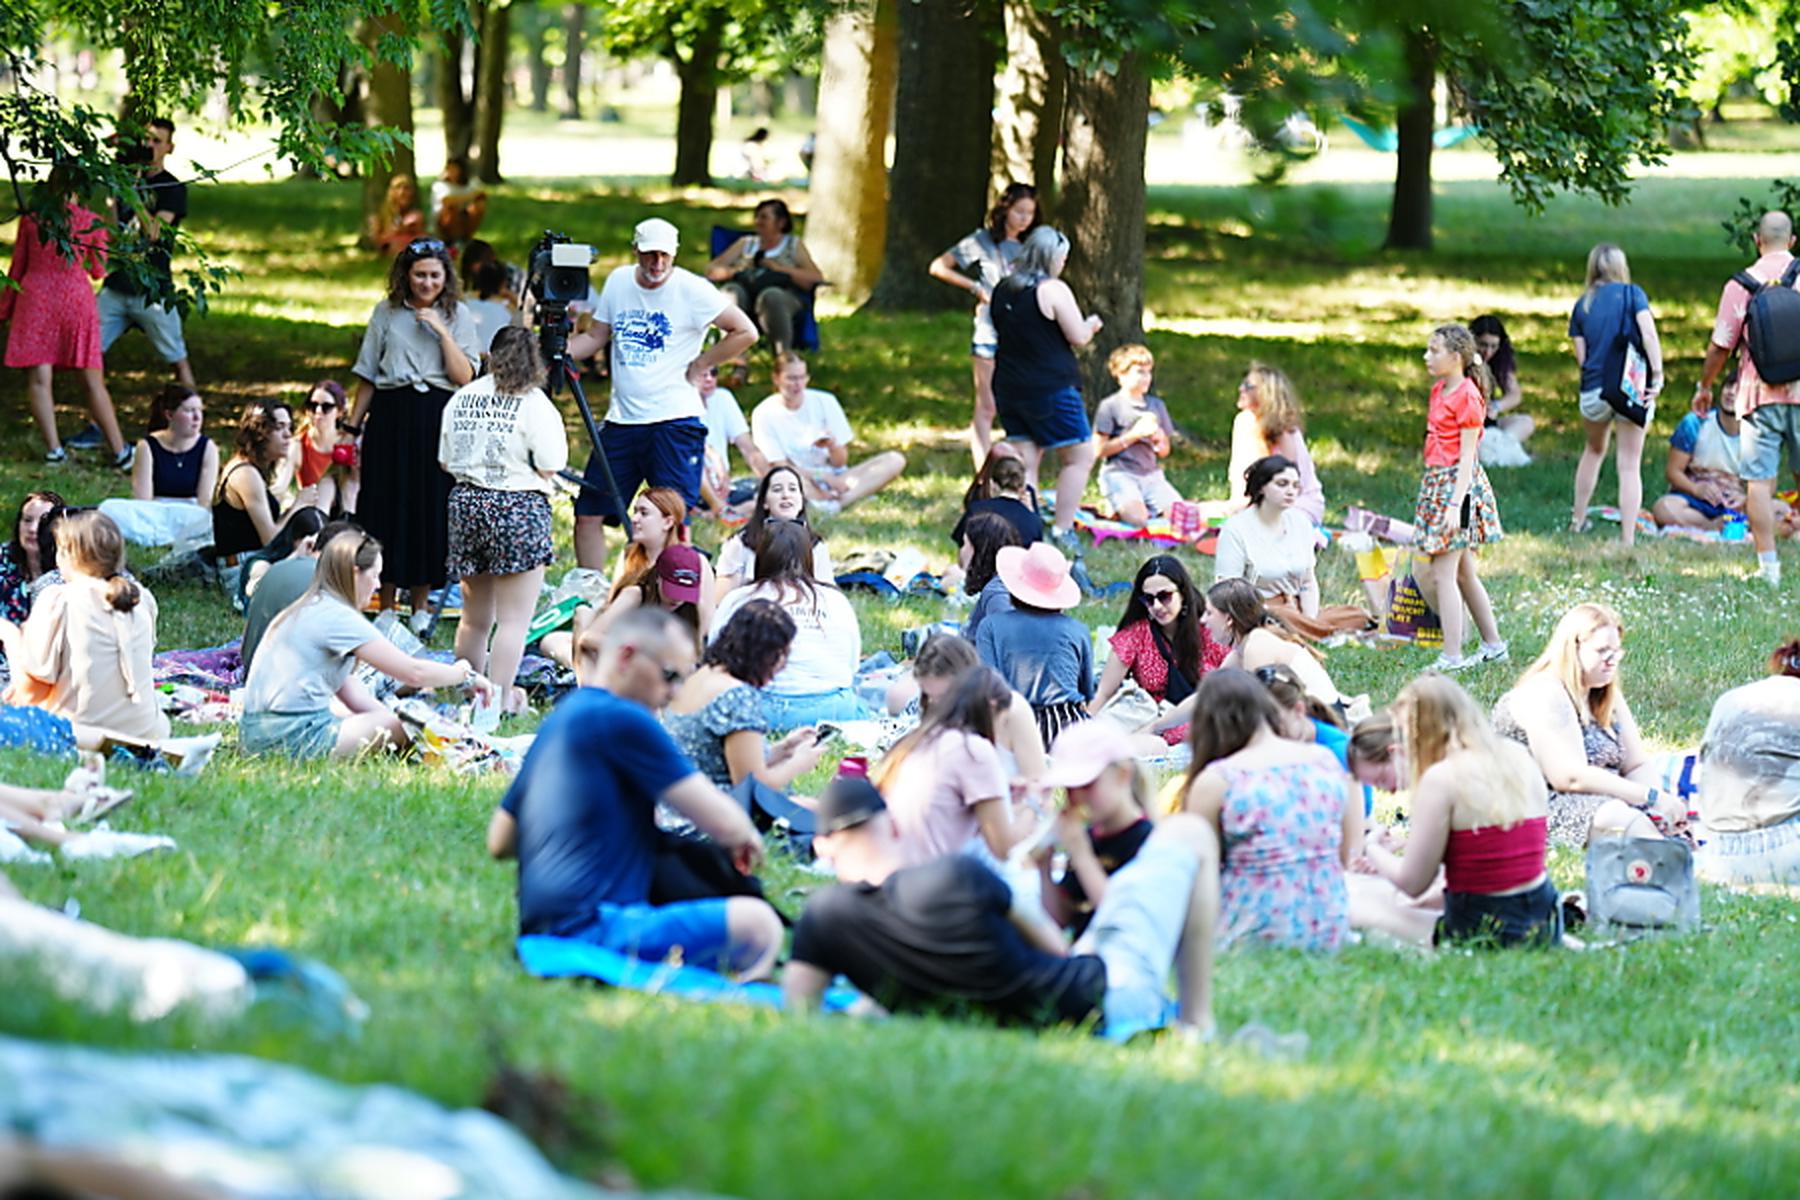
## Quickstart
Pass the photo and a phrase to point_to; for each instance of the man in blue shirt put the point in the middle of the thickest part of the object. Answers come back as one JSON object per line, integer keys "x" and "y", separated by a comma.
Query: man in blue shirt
{"x": 581, "y": 816}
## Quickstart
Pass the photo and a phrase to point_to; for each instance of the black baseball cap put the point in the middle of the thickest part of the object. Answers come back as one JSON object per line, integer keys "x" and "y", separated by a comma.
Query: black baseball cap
{"x": 848, "y": 801}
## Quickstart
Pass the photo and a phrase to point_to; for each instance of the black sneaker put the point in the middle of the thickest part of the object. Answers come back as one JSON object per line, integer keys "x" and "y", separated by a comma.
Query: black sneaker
{"x": 88, "y": 439}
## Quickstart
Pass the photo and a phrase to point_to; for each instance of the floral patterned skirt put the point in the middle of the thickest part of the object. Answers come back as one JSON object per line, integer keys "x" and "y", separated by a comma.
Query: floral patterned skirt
{"x": 498, "y": 533}
{"x": 1440, "y": 527}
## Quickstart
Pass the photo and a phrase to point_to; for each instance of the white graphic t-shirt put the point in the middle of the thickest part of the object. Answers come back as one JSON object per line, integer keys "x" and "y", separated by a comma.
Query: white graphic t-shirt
{"x": 656, "y": 333}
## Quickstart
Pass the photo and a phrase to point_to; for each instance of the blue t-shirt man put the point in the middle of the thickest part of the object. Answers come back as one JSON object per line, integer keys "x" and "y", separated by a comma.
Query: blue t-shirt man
{"x": 585, "y": 806}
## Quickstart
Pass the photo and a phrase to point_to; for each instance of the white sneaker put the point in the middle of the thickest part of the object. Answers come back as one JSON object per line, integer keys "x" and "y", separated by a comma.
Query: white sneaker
{"x": 1769, "y": 573}
{"x": 1444, "y": 664}
{"x": 420, "y": 621}
{"x": 1494, "y": 652}
{"x": 189, "y": 754}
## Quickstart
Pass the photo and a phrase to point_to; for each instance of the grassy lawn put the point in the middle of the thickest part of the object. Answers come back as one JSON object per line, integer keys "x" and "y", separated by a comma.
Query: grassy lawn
{"x": 1662, "y": 1069}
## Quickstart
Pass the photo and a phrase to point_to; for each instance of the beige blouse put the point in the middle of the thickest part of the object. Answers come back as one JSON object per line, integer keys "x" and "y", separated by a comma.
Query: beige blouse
{"x": 96, "y": 659}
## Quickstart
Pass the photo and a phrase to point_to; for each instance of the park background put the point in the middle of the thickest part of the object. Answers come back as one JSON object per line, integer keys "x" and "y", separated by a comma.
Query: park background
{"x": 1665, "y": 1068}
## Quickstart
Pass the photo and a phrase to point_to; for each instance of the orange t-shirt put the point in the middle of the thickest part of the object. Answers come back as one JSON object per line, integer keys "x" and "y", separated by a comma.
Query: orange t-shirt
{"x": 1452, "y": 411}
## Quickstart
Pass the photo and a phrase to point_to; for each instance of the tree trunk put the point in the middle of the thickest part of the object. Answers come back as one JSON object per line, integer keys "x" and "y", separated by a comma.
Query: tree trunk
{"x": 537, "y": 49}
{"x": 453, "y": 100}
{"x": 1409, "y": 221}
{"x": 574, "y": 36}
{"x": 1103, "y": 206}
{"x": 699, "y": 75}
{"x": 846, "y": 224}
{"x": 943, "y": 144}
{"x": 490, "y": 89}
{"x": 1029, "y": 98}
{"x": 388, "y": 101}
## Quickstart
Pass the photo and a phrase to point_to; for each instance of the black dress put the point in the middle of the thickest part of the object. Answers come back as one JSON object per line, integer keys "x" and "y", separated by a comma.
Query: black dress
{"x": 405, "y": 498}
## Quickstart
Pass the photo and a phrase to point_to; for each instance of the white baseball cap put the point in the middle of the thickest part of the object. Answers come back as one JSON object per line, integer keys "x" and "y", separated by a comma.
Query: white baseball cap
{"x": 655, "y": 234}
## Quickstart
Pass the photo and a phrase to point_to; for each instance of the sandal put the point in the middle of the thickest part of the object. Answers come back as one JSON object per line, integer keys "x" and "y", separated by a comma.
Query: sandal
{"x": 99, "y": 801}
{"x": 1580, "y": 524}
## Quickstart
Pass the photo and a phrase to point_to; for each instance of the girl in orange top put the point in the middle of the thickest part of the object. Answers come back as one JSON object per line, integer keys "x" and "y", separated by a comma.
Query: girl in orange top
{"x": 1456, "y": 511}
{"x": 324, "y": 454}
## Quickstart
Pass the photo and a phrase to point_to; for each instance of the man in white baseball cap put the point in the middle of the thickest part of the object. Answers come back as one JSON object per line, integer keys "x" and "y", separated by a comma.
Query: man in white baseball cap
{"x": 653, "y": 316}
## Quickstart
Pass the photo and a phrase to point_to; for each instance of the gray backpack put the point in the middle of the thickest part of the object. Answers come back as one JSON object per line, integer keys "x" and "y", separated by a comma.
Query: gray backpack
{"x": 1635, "y": 884}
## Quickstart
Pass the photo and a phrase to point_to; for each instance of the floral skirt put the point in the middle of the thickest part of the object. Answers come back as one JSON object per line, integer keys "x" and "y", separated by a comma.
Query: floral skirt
{"x": 1440, "y": 527}
{"x": 498, "y": 533}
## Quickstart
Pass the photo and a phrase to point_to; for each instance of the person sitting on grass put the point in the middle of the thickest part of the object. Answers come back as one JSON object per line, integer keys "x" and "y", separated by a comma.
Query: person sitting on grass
{"x": 1254, "y": 638}
{"x": 1705, "y": 488}
{"x": 950, "y": 936}
{"x": 1160, "y": 645}
{"x": 985, "y": 536}
{"x": 1496, "y": 350}
{"x": 323, "y": 455}
{"x": 398, "y": 220}
{"x": 945, "y": 782}
{"x": 245, "y": 509}
{"x": 297, "y": 535}
{"x": 726, "y": 429}
{"x": 1037, "y": 647}
{"x": 84, "y": 653}
{"x": 779, "y": 497}
{"x": 1377, "y": 760}
{"x": 942, "y": 660}
{"x": 1134, "y": 431}
{"x": 1285, "y": 812}
{"x": 282, "y": 584}
{"x": 1269, "y": 421}
{"x": 717, "y": 717}
{"x": 580, "y": 817}
{"x": 658, "y": 525}
{"x": 172, "y": 476}
{"x": 806, "y": 428}
{"x": 1478, "y": 810}
{"x": 458, "y": 203}
{"x": 1000, "y": 488}
{"x": 816, "y": 683}
{"x": 300, "y": 698}
{"x": 1750, "y": 779}
{"x": 1569, "y": 710}
{"x": 21, "y": 560}
{"x": 1104, "y": 823}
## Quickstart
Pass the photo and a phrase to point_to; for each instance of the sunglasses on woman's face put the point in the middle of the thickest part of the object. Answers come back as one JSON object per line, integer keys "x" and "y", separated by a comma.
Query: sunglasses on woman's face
{"x": 1166, "y": 596}
{"x": 321, "y": 406}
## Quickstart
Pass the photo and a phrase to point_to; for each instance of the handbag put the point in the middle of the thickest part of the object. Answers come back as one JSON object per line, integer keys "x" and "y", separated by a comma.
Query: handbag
{"x": 1133, "y": 707}
{"x": 1634, "y": 884}
{"x": 1626, "y": 373}
{"x": 1409, "y": 617}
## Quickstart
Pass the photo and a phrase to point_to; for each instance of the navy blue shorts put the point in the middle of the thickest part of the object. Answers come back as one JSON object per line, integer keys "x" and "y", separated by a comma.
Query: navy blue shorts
{"x": 1706, "y": 508}
{"x": 1051, "y": 422}
{"x": 662, "y": 454}
{"x": 1531, "y": 918}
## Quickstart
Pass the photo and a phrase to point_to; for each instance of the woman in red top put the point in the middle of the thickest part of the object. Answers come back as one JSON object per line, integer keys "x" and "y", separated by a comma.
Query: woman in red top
{"x": 1160, "y": 630}
{"x": 1456, "y": 511}
{"x": 324, "y": 452}
{"x": 56, "y": 324}
{"x": 1479, "y": 810}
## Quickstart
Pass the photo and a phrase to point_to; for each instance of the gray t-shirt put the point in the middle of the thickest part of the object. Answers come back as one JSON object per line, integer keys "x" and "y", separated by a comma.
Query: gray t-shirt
{"x": 399, "y": 350}
{"x": 992, "y": 261}
{"x": 1116, "y": 414}
{"x": 305, "y": 659}
{"x": 279, "y": 587}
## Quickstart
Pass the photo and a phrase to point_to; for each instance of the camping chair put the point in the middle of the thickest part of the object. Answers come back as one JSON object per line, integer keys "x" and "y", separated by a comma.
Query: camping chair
{"x": 806, "y": 326}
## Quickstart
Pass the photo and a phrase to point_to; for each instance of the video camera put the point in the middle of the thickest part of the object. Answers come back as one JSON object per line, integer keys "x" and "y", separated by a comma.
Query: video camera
{"x": 556, "y": 276}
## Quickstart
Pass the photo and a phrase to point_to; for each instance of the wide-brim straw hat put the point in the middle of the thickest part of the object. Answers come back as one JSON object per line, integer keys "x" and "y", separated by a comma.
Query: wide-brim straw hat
{"x": 1038, "y": 575}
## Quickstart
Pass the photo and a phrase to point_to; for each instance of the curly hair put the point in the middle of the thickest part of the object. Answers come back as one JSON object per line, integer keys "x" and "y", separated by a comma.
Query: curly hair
{"x": 751, "y": 645}
{"x": 515, "y": 361}
{"x": 255, "y": 436}
{"x": 399, "y": 285}
{"x": 1015, "y": 192}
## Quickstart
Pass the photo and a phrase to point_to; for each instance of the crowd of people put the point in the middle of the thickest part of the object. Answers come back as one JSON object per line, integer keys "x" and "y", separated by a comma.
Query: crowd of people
{"x": 1009, "y": 849}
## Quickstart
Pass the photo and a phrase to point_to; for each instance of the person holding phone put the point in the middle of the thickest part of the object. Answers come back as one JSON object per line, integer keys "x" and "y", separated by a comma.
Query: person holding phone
{"x": 1456, "y": 512}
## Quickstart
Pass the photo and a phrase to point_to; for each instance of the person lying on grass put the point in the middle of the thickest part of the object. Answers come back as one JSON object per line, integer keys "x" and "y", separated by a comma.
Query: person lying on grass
{"x": 300, "y": 698}
{"x": 581, "y": 815}
{"x": 948, "y": 935}
{"x": 1480, "y": 812}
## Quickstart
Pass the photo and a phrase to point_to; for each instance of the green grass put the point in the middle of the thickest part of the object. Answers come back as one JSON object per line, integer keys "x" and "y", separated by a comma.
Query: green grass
{"x": 1662, "y": 1069}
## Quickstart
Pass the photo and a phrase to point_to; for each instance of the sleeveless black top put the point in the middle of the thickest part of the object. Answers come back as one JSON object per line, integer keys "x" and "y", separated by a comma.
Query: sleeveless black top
{"x": 175, "y": 476}
{"x": 233, "y": 530}
{"x": 1034, "y": 359}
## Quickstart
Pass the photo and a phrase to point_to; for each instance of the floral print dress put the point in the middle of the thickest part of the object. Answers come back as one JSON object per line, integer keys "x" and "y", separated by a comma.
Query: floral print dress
{"x": 1282, "y": 880}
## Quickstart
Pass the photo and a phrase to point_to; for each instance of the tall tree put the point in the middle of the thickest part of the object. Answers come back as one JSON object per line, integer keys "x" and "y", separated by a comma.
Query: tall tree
{"x": 536, "y": 23}
{"x": 490, "y": 87}
{"x": 1409, "y": 216}
{"x": 846, "y": 224}
{"x": 943, "y": 141}
{"x": 455, "y": 100}
{"x": 574, "y": 46}
{"x": 1028, "y": 102}
{"x": 388, "y": 105}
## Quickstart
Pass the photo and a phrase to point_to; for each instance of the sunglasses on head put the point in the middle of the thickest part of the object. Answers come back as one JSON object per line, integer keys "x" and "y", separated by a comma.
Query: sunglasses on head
{"x": 1267, "y": 674}
{"x": 425, "y": 246}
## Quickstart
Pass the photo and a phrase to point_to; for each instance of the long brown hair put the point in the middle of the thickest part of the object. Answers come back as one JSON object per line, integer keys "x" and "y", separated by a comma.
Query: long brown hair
{"x": 1274, "y": 401}
{"x": 1229, "y": 707}
{"x": 515, "y": 361}
{"x": 1238, "y": 601}
{"x": 89, "y": 543}
{"x": 637, "y": 569}
{"x": 968, "y": 706}
{"x": 399, "y": 289}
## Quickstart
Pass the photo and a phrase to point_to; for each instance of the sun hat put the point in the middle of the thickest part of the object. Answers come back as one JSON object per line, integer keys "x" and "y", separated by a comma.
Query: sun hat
{"x": 678, "y": 573}
{"x": 655, "y": 234}
{"x": 847, "y": 802}
{"x": 1085, "y": 749}
{"x": 1039, "y": 575}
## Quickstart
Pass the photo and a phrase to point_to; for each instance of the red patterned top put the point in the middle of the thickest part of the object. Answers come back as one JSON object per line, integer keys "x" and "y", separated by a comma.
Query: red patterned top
{"x": 1136, "y": 648}
{"x": 55, "y": 318}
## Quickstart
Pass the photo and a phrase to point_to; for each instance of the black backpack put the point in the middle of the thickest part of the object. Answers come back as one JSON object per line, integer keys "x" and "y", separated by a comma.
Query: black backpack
{"x": 1772, "y": 325}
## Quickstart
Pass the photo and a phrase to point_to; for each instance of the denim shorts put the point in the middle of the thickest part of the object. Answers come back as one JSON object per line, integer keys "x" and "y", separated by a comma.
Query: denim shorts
{"x": 785, "y": 710}
{"x": 1532, "y": 918}
{"x": 697, "y": 928}
{"x": 1050, "y": 422}
{"x": 298, "y": 735}
{"x": 1763, "y": 436}
{"x": 661, "y": 454}
{"x": 1136, "y": 932}
{"x": 1767, "y": 855}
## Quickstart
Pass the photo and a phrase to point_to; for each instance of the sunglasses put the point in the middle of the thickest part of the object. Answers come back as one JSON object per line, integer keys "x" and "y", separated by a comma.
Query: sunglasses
{"x": 316, "y": 406}
{"x": 425, "y": 246}
{"x": 1166, "y": 596}
{"x": 1267, "y": 674}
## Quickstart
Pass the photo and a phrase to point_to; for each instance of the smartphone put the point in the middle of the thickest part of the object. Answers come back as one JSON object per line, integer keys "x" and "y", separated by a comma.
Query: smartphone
{"x": 825, "y": 732}
{"x": 1467, "y": 508}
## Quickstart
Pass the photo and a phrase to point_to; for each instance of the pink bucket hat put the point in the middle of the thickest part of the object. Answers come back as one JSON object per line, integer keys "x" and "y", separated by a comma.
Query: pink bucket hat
{"x": 1084, "y": 750}
{"x": 1038, "y": 575}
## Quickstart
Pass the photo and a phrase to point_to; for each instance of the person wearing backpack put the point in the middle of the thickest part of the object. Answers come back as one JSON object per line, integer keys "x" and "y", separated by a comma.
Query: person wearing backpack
{"x": 1613, "y": 310}
{"x": 1766, "y": 323}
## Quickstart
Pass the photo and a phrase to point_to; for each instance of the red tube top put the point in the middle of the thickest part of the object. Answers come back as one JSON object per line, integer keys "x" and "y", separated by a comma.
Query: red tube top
{"x": 1492, "y": 859}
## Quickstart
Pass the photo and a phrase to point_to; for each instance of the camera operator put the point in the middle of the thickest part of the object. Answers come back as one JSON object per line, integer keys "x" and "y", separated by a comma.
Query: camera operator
{"x": 124, "y": 301}
{"x": 653, "y": 316}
